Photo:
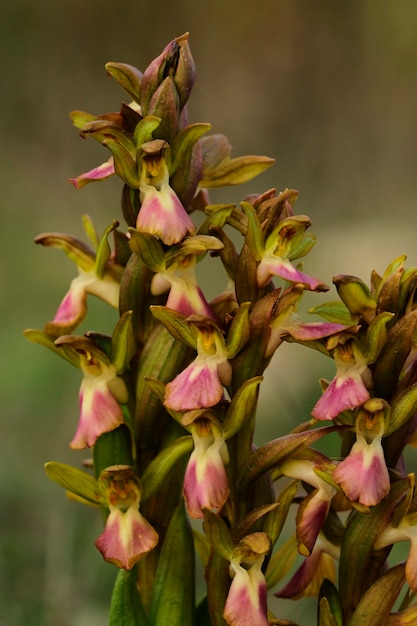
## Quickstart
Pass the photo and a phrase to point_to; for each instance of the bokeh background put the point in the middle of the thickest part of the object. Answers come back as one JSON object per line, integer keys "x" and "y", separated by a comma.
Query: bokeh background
{"x": 327, "y": 88}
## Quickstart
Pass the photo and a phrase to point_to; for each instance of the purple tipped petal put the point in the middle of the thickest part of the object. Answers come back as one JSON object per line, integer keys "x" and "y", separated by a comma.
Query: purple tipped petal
{"x": 273, "y": 265}
{"x": 126, "y": 538}
{"x": 315, "y": 330}
{"x": 72, "y": 309}
{"x": 105, "y": 170}
{"x": 311, "y": 516}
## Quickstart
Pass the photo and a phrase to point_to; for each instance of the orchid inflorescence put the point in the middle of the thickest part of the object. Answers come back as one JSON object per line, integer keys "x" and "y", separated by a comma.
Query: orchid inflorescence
{"x": 168, "y": 402}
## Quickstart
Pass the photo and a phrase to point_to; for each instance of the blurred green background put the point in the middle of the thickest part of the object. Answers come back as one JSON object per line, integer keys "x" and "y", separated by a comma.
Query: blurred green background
{"x": 326, "y": 87}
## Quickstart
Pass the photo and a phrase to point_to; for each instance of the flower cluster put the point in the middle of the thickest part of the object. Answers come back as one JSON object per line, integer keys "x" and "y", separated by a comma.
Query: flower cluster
{"x": 168, "y": 402}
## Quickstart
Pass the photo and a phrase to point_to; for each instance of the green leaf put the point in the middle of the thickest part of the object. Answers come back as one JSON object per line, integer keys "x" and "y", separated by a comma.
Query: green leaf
{"x": 126, "y": 607}
{"x": 326, "y": 618}
{"x": 148, "y": 248}
{"x": 173, "y": 594}
{"x": 239, "y": 331}
{"x": 241, "y": 407}
{"x": 159, "y": 469}
{"x": 254, "y": 237}
{"x": 357, "y": 553}
{"x": 81, "y": 118}
{"x": 103, "y": 250}
{"x": 275, "y": 520}
{"x": 43, "y": 339}
{"x": 123, "y": 342}
{"x": 75, "y": 480}
{"x": 375, "y": 605}
{"x": 235, "y": 171}
{"x": 145, "y": 128}
{"x": 175, "y": 324}
{"x": 112, "y": 448}
{"x": 402, "y": 408}
{"x": 329, "y": 604}
{"x": 376, "y": 336}
{"x": 184, "y": 142}
{"x": 218, "y": 535}
{"x": 127, "y": 76}
{"x": 335, "y": 312}
{"x": 356, "y": 295}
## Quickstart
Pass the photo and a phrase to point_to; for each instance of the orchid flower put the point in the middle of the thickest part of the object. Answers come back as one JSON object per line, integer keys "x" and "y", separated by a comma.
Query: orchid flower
{"x": 363, "y": 474}
{"x": 200, "y": 385}
{"x": 101, "y": 392}
{"x": 246, "y": 603}
{"x": 347, "y": 390}
{"x": 161, "y": 213}
{"x": 97, "y": 275}
{"x": 127, "y": 534}
{"x": 205, "y": 482}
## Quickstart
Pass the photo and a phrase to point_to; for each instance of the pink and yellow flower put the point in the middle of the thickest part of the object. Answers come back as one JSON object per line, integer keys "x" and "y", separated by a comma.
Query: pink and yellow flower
{"x": 347, "y": 390}
{"x": 363, "y": 474}
{"x": 205, "y": 482}
{"x": 161, "y": 213}
{"x": 200, "y": 385}
{"x": 127, "y": 534}
{"x": 246, "y": 603}
{"x": 101, "y": 391}
{"x": 185, "y": 295}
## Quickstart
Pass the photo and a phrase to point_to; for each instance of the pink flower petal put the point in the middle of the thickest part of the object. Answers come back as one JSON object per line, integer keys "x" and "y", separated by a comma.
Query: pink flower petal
{"x": 273, "y": 265}
{"x": 99, "y": 412}
{"x": 126, "y": 538}
{"x": 363, "y": 475}
{"x": 205, "y": 481}
{"x": 162, "y": 214}
{"x": 344, "y": 392}
{"x": 105, "y": 170}
{"x": 311, "y": 516}
{"x": 198, "y": 386}
{"x": 246, "y": 602}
